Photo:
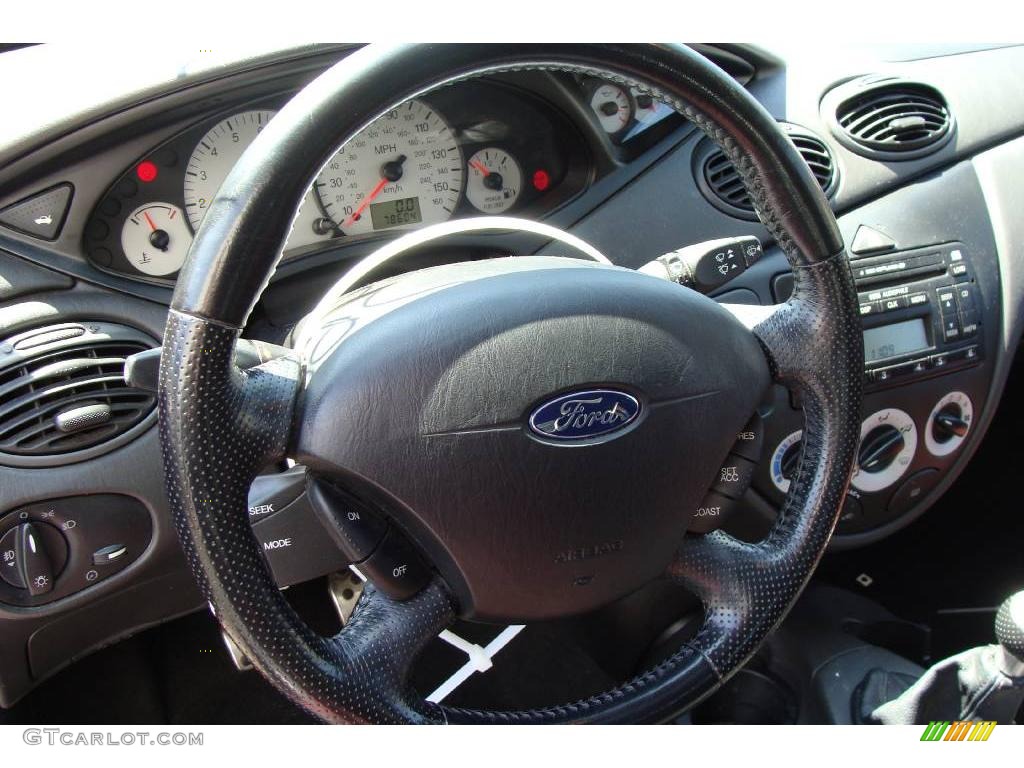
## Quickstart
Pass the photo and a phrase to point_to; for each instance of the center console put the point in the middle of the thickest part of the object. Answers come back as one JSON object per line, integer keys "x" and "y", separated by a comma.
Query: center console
{"x": 925, "y": 315}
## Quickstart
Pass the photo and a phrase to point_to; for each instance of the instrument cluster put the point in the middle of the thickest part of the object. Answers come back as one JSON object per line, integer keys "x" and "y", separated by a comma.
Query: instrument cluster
{"x": 478, "y": 148}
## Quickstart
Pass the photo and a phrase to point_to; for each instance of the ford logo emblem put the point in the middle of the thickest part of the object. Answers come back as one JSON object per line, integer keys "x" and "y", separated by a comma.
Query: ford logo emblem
{"x": 584, "y": 415}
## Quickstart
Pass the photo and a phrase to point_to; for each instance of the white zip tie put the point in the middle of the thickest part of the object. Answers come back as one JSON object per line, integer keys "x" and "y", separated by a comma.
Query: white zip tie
{"x": 479, "y": 658}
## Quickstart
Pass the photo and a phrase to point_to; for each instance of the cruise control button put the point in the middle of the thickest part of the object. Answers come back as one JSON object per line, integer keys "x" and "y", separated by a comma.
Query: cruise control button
{"x": 10, "y": 566}
{"x": 355, "y": 530}
{"x": 395, "y": 568}
{"x": 750, "y": 439}
{"x": 41, "y": 215}
{"x": 712, "y": 513}
{"x": 734, "y": 477}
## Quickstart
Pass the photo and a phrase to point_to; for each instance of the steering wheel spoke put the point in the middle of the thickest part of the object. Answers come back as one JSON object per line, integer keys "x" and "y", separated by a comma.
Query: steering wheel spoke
{"x": 748, "y": 588}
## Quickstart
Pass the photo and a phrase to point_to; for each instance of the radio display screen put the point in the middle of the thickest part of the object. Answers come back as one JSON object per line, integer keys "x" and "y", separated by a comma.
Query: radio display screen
{"x": 894, "y": 340}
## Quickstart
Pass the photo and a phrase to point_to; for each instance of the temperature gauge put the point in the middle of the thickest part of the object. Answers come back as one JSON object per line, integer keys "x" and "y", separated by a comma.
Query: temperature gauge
{"x": 612, "y": 106}
{"x": 495, "y": 180}
{"x": 156, "y": 239}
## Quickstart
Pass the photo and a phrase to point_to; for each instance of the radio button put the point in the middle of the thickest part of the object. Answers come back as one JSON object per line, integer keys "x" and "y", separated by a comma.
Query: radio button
{"x": 951, "y": 330}
{"x": 965, "y": 297}
{"x": 969, "y": 323}
{"x": 940, "y": 360}
{"x": 917, "y": 299}
{"x": 870, "y": 308}
{"x": 947, "y": 301}
{"x": 965, "y": 355}
{"x": 920, "y": 366}
{"x": 896, "y": 302}
{"x": 958, "y": 270}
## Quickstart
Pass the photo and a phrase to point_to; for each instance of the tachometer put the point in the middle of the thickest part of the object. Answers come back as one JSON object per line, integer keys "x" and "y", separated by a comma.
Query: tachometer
{"x": 215, "y": 155}
{"x": 403, "y": 170}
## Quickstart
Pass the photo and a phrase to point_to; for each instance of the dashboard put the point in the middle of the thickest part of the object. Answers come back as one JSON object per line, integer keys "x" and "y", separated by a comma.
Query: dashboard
{"x": 98, "y": 208}
{"x": 471, "y": 149}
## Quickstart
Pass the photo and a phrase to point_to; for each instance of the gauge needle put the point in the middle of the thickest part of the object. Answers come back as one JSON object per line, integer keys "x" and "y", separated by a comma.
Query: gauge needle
{"x": 480, "y": 167}
{"x": 149, "y": 220}
{"x": 366, "y": 201}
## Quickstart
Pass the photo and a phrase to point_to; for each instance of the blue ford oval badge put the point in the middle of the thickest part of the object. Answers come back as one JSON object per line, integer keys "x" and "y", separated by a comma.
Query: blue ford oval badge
{"x": 584, "y": 415}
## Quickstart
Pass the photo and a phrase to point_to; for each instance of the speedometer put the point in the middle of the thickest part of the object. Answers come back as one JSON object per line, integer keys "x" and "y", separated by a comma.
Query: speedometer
{"x": 215, "y": 155}
{"x": 403, "y": 170}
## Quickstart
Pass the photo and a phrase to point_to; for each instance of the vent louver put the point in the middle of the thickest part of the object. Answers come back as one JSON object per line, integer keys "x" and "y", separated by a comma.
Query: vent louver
{"x": 722, "y": 183}
{"x": 890, "y": 119}
{"x": 62, "y": 390}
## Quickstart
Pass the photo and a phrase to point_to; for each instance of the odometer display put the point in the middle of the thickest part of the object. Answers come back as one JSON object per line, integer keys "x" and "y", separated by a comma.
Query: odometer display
{"x": 395, "y": 213}
{"x": 409, "y": 154}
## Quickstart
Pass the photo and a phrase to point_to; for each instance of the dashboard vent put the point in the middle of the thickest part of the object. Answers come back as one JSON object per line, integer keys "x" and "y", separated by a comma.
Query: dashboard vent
{"x": 893, "y": 120}
{"x": 723, "y": 186}
{"x": 62, "y": 391}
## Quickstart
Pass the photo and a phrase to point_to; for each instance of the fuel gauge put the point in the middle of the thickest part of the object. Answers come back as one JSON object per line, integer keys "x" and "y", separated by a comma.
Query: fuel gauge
{"x": 494, "y": 180}
{"x": 156, "y": 239}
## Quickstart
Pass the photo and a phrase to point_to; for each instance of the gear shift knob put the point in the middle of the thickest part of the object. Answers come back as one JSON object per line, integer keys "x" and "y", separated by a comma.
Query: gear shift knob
{"x": 1010, "y": 627}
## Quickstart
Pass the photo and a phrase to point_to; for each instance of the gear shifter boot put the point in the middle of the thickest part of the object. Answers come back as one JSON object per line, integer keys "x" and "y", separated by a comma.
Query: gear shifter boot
{"x": 984, "y": 683}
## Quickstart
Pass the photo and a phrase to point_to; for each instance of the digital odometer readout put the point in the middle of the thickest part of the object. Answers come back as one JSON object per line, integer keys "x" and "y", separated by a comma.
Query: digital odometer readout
{"x": 395, "y": 213}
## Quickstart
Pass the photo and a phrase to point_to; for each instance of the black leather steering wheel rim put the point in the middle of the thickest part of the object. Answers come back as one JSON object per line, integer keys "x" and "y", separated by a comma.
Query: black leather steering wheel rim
{"x": 219, "y": 425}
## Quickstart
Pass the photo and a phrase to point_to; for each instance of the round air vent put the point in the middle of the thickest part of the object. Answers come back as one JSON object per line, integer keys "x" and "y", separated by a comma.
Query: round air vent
{"x": 722, "y": 186}
{"x": 63, "y": 396}
{"x": 889, "y": 119}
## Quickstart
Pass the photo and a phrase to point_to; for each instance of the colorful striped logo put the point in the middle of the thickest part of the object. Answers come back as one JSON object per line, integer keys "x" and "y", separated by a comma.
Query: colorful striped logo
{"x": 958, "y": 730}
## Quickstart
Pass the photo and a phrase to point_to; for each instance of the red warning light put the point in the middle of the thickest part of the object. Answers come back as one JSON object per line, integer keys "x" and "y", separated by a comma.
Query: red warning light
{"x": 541, "y": 180}
{"x": 146, "y": 171}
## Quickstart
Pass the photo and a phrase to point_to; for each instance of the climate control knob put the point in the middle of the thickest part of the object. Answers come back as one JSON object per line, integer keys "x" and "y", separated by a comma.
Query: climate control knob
{"x": 880, "y": 448}
{"x": 888, "y": 442}
{"x": 949, "y": 424}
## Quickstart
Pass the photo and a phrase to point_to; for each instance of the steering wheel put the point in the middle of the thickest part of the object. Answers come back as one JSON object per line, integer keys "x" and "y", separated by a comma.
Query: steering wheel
{"x": 459, "y": 408}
